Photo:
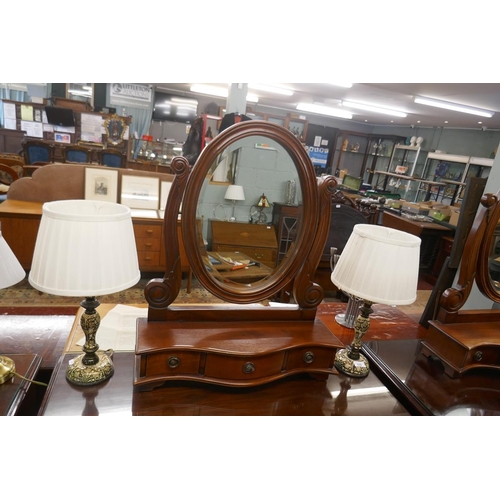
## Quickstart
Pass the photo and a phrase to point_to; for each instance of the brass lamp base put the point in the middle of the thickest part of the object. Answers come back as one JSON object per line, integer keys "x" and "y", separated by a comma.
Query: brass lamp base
{"x": 352, "y": 367}
{"x": 79, "y": 373}
{"x": 7, "y": 369}
{"x": 92, "y": 367}
{"x": 350, "y": 361}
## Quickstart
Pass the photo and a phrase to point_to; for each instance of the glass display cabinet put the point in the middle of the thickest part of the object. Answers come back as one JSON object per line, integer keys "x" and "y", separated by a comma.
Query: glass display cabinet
{"x": 360, "y": 155}
{"x": 444, "y": 169}
{"x": 160, "y": 153}
{"x": 397, "y": 178}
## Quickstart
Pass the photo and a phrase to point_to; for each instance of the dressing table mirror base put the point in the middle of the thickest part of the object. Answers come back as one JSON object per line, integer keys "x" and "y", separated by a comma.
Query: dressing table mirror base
{"x": 241, "y": 343}
{"x": 468, "y": 339}
{"x": 463, "y": 346}
{"x": 232, "y": 353}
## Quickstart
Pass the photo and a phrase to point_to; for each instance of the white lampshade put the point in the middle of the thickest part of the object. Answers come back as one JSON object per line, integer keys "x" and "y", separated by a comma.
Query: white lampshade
{"x": 379, "y": 264}
{"x": 235, "y": 193}
{"x": 84, "y": 248}
{"x": 11, "y": 271}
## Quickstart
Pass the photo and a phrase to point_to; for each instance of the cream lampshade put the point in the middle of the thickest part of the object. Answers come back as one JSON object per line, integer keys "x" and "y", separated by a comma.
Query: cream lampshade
{"x": 234, "y": 193}
{"x": 11, "y": 272}
{"x": 378, "y": 265}
{"x": 85, "y": 248}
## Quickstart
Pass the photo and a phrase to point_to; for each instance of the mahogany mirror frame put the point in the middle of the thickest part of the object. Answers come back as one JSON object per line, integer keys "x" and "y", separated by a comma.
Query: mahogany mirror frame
{"x": 285, "y": 273}
{"x": 475, "y": 260}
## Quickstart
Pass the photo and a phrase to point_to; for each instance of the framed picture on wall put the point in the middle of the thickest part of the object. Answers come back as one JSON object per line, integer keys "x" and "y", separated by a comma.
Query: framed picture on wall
{"x": 101, "y": 184}
{"x": 140, "y": 192}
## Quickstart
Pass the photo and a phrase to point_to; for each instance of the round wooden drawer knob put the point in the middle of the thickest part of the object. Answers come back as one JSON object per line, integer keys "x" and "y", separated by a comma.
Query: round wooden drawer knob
{"x": 248, "y": 368}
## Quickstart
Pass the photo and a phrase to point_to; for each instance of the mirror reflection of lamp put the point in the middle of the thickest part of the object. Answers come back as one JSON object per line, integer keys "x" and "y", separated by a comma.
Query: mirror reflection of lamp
{"x": 263, "y": 203}
{"x": 378, "y": 265}
{"x": 11, "y": 272}
{"x": 234, "y": 193}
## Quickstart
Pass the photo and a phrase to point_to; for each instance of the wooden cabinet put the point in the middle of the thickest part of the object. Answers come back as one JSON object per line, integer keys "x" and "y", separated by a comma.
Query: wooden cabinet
{"x": 20, "y": 221}
{"x": 148, "y": 241}
{"x": 286, "y": 221}
{"x": 257, "y": 241}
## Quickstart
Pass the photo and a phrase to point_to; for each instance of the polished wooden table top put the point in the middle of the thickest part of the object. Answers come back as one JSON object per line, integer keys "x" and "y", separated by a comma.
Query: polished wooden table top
{"x": 303, "y": 395}
{"x": 420, "y": 383}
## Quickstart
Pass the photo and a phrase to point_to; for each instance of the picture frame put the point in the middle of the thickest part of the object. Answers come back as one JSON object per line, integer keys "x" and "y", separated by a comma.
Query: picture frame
{"x": 101, "y": 184}
{"x": 140, "y": 192}
{"x": 64, "y": 138}
{"x": 115, "y": 127}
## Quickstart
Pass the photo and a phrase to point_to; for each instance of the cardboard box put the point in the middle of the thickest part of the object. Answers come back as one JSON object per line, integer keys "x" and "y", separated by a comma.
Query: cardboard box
{"x": 442, "y": 214}
{"x": 415, "y": 208}
{"x": 455, "y": 213}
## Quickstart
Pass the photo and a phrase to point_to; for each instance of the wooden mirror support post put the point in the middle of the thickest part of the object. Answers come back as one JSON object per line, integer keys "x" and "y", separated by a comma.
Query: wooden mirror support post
{"x": 469, "y": 339}
{"x": 241, "y": 343}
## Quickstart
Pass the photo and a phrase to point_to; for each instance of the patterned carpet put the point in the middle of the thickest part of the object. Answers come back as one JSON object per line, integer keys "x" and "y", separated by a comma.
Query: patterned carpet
{"x": 24, "y": 295}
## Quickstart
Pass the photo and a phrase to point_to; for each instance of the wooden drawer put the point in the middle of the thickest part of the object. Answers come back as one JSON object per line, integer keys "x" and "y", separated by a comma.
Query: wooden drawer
{"x": 148, "y": 244}
{"x": 243, "y": 368}
{"x": 314, "y": 357}
{"x": 265, "y": 255}
{"x": 147, "y": 231}
{"x": 171, "y": 363}
{"x": 148, "y": 259}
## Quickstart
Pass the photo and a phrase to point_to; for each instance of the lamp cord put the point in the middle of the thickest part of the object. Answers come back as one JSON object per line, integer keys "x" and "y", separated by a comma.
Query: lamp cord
{"x": 30, "y": 380}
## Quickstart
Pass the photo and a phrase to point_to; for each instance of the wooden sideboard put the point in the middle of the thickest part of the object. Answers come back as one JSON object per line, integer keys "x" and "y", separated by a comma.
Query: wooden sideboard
{"x": 20, "y": 221}
{"x": 258, "y": 241}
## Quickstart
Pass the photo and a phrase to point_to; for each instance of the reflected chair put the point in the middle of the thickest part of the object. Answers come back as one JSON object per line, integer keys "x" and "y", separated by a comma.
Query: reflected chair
{"x": 76, "y": 154}
{"x": 38, "y": 151}
{"x": 14, "y": 161}
{"x": 7, "y": 176}
{"x": 111, "y": 158}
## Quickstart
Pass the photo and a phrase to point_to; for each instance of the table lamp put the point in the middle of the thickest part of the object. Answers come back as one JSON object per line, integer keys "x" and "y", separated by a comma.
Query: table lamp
{"x": 378, "y": 265}
{"x": 85, "y": 248}
{"x": 234, "y": 193}
{"x": 11, "y": 272}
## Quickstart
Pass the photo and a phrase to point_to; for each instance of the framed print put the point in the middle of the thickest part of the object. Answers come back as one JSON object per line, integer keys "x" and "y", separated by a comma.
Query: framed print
{"x": 140, "y": 192}
{"x": 65, "y": 138}
{"x": 101, "y": 184}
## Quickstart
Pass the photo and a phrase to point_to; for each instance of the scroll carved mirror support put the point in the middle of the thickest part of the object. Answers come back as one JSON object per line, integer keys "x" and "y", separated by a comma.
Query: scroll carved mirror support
{"x": 217, "y": 344}
{"x": 470, "y": 339}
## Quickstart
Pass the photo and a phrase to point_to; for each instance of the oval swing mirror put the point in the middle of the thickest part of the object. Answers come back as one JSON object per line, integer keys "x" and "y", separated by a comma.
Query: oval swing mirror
{"x": 259, "y": 157}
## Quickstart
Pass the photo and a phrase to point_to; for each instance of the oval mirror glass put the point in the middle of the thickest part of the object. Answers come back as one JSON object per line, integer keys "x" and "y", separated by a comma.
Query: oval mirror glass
{"x": 245, "y": 175}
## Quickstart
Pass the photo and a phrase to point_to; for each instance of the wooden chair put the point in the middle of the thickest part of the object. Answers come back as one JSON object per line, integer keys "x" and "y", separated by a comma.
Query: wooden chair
{"x": 111, "y": 158}
{"x": 14, "y": 161}
{"x": 7, "y": 176}
{"x": 77, "y": 154}
{"x": 38, "y": 151}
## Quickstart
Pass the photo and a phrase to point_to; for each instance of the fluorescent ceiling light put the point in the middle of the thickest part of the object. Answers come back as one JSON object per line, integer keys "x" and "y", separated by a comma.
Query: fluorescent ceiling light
{"x": 453, "y": 107}
{"x": 269, "y": 88}
{"x": 218, "y": 91}
{"x": 346, "y": 85}
{"x": 374, "y": 109}
{"x": 324, "y": 110}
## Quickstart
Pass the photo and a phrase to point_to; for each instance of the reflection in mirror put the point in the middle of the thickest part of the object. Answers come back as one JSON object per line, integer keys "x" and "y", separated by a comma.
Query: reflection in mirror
{"x": 245, "y": 251}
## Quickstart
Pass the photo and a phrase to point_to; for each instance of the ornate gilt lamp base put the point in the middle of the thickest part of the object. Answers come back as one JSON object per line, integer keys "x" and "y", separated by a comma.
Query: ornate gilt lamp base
{"x": 350, "y": 361}
{"x": 90, "y": 368}
{"x": 81, "y": 374}
{"x": 352, "y": 367}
